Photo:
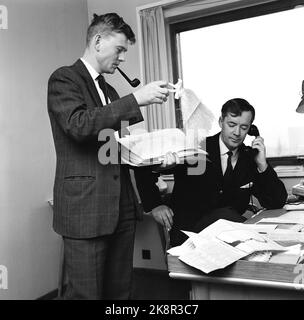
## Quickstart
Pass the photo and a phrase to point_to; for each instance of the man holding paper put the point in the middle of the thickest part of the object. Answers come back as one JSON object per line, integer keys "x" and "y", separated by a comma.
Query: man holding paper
{"x": 95, "y": 207}
{"x": 233, "y": 174}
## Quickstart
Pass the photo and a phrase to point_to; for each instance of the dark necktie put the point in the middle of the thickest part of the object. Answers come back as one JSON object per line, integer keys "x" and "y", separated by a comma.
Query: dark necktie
{"x": 103, "y": 86}
{"x": 229, "y": 169}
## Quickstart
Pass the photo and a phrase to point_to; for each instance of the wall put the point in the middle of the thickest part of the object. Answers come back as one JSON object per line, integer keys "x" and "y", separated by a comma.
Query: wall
{"x": 41, "y": 36}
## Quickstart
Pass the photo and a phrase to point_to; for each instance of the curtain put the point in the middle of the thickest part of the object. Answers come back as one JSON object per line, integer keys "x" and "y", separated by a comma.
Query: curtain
{"x": 155, "y": 65}
{"x": 154, "y": 47}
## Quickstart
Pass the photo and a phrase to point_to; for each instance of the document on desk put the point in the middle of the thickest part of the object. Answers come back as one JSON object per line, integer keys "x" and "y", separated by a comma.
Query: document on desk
{"x": 294, "y": 206}
{"x": 249, "y": 241}
{"x": 184, "y": 248}
{"x": 212, "y": 254}
{"x": 282, "y": 235}
{"x": 291, "y": 256}
{"x": 260, "y": 256}
{"x": 262, "y": 228}
{"x": 221, "y": 244}
{"x": 295, "y": 216}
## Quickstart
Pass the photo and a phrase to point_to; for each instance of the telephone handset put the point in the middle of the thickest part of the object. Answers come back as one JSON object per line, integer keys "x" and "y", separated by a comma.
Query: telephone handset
{"x": 253, "y": 131}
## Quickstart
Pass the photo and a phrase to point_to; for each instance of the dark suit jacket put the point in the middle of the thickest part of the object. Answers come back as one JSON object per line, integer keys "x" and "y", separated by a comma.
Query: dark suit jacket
{"x": 86, "y": 193}
{"x": 194, "y": 195}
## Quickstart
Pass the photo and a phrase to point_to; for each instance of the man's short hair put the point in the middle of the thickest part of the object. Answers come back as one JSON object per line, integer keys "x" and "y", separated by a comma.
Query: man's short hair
{"x": 236, "y": 107}
{"x": 107, "y": 23}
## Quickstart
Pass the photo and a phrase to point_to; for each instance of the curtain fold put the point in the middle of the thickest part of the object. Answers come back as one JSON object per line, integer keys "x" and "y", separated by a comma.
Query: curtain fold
{"x": 155, "y": 65}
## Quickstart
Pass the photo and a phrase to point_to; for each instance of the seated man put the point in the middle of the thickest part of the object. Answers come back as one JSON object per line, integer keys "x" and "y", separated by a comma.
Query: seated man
{"x": 233, "y": 174}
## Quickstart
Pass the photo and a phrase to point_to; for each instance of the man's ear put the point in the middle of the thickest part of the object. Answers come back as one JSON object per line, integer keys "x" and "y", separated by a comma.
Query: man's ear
{"x": 220, "y": 122}
{"x": 97, "y": 42}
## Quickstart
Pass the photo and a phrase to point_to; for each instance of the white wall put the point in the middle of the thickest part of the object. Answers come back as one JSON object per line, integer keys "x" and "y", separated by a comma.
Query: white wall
{"x": 42, "y": 35}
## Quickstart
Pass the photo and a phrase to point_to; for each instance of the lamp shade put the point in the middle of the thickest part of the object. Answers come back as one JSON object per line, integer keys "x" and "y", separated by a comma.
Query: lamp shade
{"x": 300, "y": 108}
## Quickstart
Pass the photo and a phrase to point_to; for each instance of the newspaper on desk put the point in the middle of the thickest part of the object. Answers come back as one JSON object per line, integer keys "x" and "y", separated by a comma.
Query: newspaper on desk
{"x": 221, "y": 244}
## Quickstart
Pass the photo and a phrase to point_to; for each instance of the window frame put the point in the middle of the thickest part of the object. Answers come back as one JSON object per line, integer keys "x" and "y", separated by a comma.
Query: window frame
{"x": 176, "y": 27}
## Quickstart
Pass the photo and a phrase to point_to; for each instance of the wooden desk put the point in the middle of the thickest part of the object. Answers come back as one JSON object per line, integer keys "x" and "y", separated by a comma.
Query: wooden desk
{"x": 243, "y": 280}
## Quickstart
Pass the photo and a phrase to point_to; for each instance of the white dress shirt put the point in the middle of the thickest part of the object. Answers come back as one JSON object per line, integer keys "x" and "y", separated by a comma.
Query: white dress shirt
{"x": 224, "y": 155}
{"x": 94, "y": 74}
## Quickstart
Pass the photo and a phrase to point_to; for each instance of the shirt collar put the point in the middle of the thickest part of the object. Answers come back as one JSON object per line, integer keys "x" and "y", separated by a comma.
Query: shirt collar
{"x": 94, "y": 74}
{"x": 223, "y": 147}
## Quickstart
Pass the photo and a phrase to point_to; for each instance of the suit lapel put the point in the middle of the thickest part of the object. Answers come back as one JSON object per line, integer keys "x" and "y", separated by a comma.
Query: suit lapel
{"x": 84, "y": 73}
{"x": 213, "y": 149}
{"x": 241, "y": 168}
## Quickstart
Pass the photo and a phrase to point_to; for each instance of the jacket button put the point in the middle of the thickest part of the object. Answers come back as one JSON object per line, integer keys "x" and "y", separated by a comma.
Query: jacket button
{"x": 116, "y": 176}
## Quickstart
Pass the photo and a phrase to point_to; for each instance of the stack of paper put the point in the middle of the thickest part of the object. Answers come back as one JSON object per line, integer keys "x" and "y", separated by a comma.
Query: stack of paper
{"x": 221, "y": 244}
{"x": 291, "y": 256}
{"x": 289, "y": 227}
{"x": 150, "y": 148}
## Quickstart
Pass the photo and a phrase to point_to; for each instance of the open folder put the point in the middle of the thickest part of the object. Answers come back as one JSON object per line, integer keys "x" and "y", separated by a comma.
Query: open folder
{"x": 150, "y": 148}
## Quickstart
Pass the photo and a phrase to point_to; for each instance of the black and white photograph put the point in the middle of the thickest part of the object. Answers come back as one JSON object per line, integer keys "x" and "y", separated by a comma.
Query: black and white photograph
{"x": 152, "y": 153}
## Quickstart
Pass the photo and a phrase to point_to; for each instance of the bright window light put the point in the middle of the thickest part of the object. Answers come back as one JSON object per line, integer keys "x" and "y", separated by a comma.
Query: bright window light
{"x": 260, "y": 59}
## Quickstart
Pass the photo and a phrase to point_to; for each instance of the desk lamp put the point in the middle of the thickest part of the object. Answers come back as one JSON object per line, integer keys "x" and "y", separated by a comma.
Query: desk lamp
{"x": 300, "y": 108}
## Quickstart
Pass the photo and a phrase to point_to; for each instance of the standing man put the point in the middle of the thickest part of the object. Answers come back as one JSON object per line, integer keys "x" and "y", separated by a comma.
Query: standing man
{"x": 233, "y": 174}
{"x": 95, "y": 207}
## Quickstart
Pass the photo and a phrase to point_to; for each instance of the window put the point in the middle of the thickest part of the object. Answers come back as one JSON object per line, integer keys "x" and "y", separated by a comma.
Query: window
{"x": 256, "y": 54}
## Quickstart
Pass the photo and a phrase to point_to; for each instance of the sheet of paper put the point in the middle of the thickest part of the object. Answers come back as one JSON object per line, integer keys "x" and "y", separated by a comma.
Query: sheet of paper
{"x": 197, "y": 118}
{"x": 291, "y": 256}
{"x": 263, "y": 228}
{"x": 261, "y": 256}
{"x": 220, "y": 226}
{"x": 288, "y": 217}
{"x": 286, "y": 236}
{"x": 184, "y": 248}
{"x": 292, "y": 207}
{"x": 252, "y": 245}
{"x": 212, "y": 254}
{"x": 295, "y": 215}
{"x": 232, "y": 236}
{"x": 224, "y": 242}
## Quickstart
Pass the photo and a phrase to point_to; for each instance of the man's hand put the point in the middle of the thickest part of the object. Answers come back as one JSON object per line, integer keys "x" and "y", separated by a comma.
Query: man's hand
{"x": 163, "y": 215}
{"x": 153, "y": 92}
{"x": 171, "y": 159}
{"x": 260, "y": 159}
